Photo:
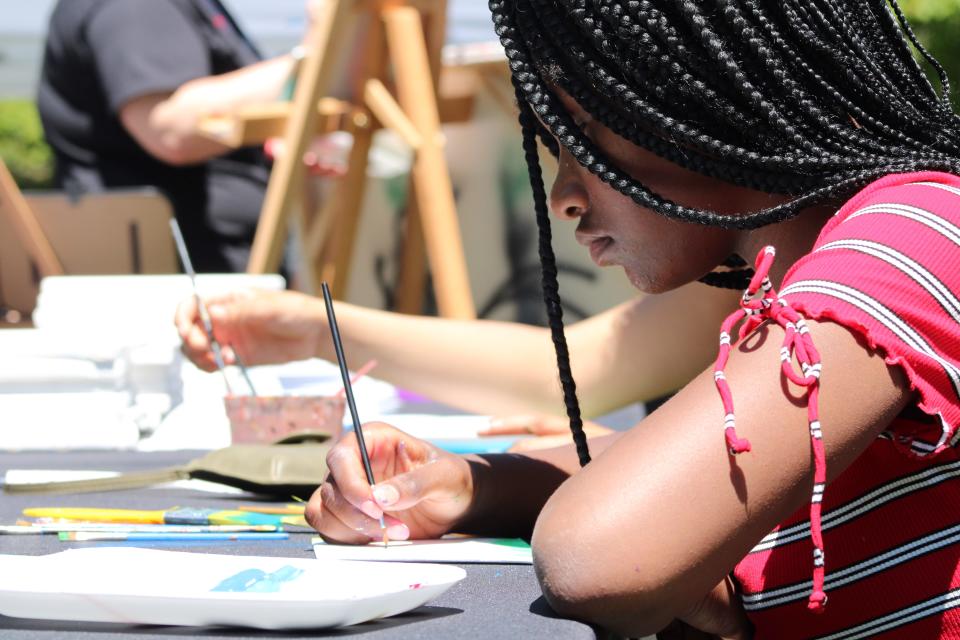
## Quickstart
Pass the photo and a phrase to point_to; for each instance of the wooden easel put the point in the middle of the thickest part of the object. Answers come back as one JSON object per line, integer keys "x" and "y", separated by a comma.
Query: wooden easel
{"x": 396, "y": 35}
{"x": 26, "y": 226}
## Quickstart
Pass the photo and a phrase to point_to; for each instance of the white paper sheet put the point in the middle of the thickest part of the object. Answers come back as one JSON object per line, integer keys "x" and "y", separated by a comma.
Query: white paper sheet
{"x": 455, "y": 549}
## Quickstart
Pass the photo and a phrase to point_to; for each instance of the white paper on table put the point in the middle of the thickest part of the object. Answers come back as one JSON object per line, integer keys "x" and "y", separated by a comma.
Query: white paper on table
{"x": 148, "y": 586}
{"x": 455, "y": 549}
{"x": 32, "y": 476}
{"x": 70, "y": 420}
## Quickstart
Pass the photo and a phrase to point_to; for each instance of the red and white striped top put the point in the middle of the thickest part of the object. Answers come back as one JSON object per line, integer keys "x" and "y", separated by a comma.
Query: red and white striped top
{"x": 887, "y": 266}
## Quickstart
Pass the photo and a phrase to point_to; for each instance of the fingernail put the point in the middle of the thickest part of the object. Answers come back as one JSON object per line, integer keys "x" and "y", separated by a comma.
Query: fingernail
{"x": 398, "y": 532}
{"x": 370, "y": 508}
{"x": 386, "y": 495}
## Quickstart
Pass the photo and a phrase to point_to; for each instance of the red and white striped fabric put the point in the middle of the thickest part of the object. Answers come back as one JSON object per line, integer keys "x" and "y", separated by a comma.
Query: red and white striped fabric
{"x": 887, "y": 267}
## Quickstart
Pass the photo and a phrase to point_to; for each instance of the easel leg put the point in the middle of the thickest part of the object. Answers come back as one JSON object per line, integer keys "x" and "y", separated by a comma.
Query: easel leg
{"x": 413, "y": 265}
{"x": 313, "y": 82}
{"x": 26, "y": 225}
{"x": 349, "y": 199}
{"x": 434, "y": 192}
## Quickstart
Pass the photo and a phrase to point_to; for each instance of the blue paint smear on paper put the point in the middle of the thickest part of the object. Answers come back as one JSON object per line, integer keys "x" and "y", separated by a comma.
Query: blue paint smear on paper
{"x": 258, "y": 580}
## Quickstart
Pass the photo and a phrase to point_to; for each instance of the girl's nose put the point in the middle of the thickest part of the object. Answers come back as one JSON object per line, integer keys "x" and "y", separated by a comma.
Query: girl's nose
{"x": 568, "y": 197}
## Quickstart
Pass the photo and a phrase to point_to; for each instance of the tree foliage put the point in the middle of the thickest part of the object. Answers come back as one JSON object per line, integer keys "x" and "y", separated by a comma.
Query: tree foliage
{"x": 937, "y": 24}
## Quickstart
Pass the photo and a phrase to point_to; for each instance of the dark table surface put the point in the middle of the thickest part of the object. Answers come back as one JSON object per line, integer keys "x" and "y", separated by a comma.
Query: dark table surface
{"x": 493, "y": 601}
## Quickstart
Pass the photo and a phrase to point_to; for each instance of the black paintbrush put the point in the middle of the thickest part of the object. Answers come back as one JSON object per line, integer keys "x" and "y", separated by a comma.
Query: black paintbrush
{"x": 348, "y": 388}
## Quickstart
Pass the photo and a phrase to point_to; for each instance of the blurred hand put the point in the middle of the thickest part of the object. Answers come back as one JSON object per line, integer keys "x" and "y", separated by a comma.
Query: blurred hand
{"x": 421, "y": 490}
{"x": 325, "y": 157}
{"x": 554, "y": 431}
{"x": 265, "y": 327}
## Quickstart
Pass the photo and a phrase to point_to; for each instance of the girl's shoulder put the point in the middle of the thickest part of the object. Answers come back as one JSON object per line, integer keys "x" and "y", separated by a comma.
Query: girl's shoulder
{"x": 923, "y": 202}
{"x": 886, "y": 267}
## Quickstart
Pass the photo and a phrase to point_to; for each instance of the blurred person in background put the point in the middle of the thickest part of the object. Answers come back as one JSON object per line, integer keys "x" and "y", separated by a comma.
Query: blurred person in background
{"x": 123, "y": 86}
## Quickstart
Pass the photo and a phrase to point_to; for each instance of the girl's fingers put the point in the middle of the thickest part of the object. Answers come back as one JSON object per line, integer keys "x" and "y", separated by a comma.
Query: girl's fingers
{"x": 512, "y": 425}
{"x": 439, "y": 478}
{"x": 347, "y": 472}
{"x": 342, "y": 522}
{"x": 336, "y": 520}
{"x": 541, "y": 442}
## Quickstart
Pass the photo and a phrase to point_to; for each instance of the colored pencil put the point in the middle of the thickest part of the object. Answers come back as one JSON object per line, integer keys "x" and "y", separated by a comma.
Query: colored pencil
{"x": 161, "y": 536}
{"x": 116, "y": 527}
{"x": 174, "y": 515}
{"x": 283, "y": 509}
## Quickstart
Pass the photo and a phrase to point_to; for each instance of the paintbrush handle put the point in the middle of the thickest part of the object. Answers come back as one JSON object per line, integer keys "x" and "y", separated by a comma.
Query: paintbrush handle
{"x": 347, "y": 387}
{"x": 201, "y": 308}
{"x": 246, "y": 375}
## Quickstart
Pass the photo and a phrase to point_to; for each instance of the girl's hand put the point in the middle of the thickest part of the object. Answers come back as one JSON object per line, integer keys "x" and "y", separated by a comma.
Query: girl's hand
{"x": 538, "y": 425}
{"x": 264, "y": 327}
{"x": 423, "y": 491}
{"x": 718, "y": 615}
{"x": 552, "y": 431}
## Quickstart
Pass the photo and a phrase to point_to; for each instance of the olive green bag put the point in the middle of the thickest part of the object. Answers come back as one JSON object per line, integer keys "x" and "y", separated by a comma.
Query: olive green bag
{"x": 283, "y": 470}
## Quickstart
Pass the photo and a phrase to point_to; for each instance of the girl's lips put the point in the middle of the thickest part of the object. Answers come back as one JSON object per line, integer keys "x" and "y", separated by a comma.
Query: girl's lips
{"x": 597, "y": 248}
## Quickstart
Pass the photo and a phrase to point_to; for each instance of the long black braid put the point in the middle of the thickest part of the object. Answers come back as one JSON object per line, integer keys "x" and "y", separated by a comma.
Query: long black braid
{"x": 813, "y": 99}
{"x": 551, "y": 288}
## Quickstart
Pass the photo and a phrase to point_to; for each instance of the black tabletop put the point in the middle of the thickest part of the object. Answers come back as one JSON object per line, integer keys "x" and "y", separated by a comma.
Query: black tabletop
{"x": 493, "y": 601}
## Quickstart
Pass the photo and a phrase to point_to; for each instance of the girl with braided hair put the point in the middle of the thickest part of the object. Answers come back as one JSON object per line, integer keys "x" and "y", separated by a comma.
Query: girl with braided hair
{"x": 818, "y": 455}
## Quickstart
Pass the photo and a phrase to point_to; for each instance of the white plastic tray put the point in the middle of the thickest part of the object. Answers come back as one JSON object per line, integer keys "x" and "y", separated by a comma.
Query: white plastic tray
{"x": 148, "y": 586}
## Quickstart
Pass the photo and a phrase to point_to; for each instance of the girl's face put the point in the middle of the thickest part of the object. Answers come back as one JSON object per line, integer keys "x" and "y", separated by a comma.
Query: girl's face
{"x": 658, "y": 254}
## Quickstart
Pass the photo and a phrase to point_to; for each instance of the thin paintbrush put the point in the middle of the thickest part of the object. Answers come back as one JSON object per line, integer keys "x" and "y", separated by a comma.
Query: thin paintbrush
{"x": 202, "y": 311}
{"x": 348, "y": 388}
{"x": 243, "y": 370}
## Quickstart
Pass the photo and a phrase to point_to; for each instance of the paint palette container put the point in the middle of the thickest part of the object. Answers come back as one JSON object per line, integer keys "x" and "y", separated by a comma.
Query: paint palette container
{"x": 266, "y": 419}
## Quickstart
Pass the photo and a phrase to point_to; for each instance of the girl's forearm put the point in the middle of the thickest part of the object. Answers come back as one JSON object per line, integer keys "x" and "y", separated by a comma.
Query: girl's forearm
{"x": 499, "y": 508}
{"x": 481, "y": 366}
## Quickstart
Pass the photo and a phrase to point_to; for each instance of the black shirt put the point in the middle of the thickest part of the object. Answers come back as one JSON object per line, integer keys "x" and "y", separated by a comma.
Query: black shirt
{"x": 99, "y": 55}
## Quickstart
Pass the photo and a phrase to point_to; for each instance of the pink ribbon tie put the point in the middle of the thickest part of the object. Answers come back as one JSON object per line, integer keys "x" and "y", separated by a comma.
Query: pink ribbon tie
{"x": 759, "y": 303}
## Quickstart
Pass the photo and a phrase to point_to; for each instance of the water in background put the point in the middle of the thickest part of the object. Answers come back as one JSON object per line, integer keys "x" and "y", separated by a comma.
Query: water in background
{"x": 275, "y": 26}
